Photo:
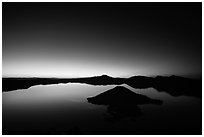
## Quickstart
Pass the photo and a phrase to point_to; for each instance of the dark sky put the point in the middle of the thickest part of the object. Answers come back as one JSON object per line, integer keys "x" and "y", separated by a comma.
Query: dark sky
{"x": 87, "y": 39}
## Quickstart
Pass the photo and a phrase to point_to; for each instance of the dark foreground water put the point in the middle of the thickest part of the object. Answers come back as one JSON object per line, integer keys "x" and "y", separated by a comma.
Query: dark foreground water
{"x": 63, "y": 109}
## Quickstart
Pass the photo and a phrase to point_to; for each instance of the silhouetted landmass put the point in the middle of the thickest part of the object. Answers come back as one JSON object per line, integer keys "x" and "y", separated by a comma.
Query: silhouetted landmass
{"x": 122, "y": 102}
{"x": 10, "y": 84}
{"x": 121, "y": 96}
{"x": 174, "y": 85}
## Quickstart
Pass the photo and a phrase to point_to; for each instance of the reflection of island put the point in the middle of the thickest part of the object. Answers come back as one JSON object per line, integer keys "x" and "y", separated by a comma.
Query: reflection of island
{"x": 122, "y": 102}
{"x": 174, "y": 85}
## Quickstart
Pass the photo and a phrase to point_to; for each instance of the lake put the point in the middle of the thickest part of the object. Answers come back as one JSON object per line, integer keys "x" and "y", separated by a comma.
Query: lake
{"x": 64, "y": 109}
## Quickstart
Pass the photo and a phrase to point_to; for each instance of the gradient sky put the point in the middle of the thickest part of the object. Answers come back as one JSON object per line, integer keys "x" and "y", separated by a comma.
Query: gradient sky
{"x": 87, "y": 39}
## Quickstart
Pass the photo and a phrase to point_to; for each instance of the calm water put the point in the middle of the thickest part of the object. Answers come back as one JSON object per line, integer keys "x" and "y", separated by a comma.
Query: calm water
{"x": 63, "y": 108}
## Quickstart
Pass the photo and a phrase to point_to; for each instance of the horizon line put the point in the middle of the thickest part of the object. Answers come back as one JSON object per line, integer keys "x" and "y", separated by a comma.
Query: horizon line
{"x": 188, "y": 76}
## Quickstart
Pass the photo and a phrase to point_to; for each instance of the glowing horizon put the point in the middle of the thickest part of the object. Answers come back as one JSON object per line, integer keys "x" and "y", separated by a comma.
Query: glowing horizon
{"x": 63, "y": 40}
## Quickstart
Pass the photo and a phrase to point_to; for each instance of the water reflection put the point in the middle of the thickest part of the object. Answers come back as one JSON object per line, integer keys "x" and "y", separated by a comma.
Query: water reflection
{"x": 63, "y": 109}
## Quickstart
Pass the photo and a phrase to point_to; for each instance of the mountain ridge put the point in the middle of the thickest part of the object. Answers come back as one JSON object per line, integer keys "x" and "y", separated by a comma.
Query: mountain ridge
{"x": 174, "y": 85}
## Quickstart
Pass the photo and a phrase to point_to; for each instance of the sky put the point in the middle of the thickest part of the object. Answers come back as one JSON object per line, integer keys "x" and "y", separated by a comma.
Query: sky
{"x": 88, "y": 39}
